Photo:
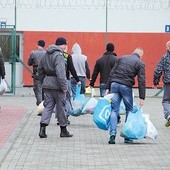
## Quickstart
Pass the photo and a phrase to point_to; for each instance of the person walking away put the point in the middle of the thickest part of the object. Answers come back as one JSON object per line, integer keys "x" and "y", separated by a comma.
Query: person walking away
{"x": 82, "y": 69}
{"x": 103, "y": 67}
{"x": 120, "y": 83}
{"x": 62, "y": 43}
{"x": 34, "y": 61}
{"x": 163, "y": 69}
{"x": 52, "y": 75}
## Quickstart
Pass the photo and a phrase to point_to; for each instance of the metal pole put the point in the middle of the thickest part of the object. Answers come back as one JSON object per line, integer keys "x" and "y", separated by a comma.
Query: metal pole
{"x": 15, "y": 15}
{"x": 14, "y": 51}
{"x": 106, "y": 33}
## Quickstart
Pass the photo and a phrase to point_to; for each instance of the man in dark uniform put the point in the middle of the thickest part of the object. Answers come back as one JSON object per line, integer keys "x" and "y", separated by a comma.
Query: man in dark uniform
{"x": 34, "y": 61}
{"x": 62, "y": 43}
{"x": 52, "y": 75}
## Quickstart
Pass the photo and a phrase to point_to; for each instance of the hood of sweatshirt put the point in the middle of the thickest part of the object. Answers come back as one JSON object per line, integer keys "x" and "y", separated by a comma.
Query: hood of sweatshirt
{"x": 76, "y": 49}
{"x": 52, "y": 48}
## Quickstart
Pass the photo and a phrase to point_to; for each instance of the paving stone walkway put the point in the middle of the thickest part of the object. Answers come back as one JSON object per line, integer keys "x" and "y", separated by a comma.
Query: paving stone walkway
{"x": 22, "y": 149}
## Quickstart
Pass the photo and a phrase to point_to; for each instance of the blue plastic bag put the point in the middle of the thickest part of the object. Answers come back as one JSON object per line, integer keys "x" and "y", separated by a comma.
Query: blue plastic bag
{"x": 102, "y": 113}
{"x": 122, "y": 109}
{"x": 135, "y": 126}
{"x": 78, "y": 103}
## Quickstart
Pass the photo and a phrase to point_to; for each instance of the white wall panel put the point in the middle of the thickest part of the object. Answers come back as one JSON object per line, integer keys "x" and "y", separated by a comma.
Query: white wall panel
{"x": 88, "y": 19}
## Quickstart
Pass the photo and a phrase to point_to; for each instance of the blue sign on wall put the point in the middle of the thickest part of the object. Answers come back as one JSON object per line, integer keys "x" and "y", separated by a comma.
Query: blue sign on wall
{"x": 167, "y": 28}
{"x": 2, "y": 24}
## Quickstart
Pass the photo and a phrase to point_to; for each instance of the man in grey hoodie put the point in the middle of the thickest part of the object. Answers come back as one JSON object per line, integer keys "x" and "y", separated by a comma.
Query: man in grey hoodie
{"x": 52, "y": 75}
{"x": 82, "y": 69}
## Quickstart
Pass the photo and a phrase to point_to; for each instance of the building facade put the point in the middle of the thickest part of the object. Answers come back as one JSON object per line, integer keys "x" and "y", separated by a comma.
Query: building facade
{"x": 91, "y": 23}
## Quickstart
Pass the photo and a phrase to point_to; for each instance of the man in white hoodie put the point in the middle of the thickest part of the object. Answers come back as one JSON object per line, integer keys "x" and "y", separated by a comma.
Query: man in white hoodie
{"x": 82, "y": 68}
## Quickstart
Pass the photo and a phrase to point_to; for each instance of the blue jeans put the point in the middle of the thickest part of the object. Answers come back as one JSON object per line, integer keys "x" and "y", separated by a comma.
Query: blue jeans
{"x": 102, "y": 89}
{"x": 74, "y": 83}
{"x": 121, "y": 92}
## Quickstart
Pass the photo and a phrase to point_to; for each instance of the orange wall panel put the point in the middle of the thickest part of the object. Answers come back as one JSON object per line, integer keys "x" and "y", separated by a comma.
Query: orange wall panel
{"x": 93, "y": 45}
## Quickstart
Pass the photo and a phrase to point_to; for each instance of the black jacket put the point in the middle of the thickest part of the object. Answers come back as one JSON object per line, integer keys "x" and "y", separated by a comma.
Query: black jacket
{"x": 70, "y": 67}
{"x": 125, "y": 71}
{"x": 103, "y": 66}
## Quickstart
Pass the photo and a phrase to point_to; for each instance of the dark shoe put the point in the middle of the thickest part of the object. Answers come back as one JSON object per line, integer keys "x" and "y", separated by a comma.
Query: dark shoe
{"x": 129, "y": 141}
{"x": 111, "y": 140}
{"x": 39, "y": 114}
{"x": 67, "y": 135}
{"x": 64, "y": 132}
{"x": 42, "y": 133}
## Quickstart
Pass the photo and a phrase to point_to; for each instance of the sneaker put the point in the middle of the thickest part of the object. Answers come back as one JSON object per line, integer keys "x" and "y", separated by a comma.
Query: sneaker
{"x": 111, "y": 140}
{"x": 167, "y": 124}
{"x": 126, "y": 140}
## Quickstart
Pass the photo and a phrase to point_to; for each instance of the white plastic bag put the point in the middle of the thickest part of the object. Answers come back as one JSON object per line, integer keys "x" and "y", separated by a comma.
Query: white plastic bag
{"x": 151, "y": 131}
{"x": 89, "y": 107}
{"x": 3, "y": 86}
{"x": 108, "y": 96}
{"x": 40, "y": 107}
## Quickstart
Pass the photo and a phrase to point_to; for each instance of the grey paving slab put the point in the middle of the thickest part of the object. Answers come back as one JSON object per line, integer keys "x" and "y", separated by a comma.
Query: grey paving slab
{"x": 88, "y": 149}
